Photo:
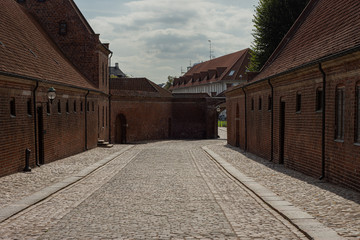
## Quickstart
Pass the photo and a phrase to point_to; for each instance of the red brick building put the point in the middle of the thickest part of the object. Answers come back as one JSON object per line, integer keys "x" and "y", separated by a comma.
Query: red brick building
{"x": 214, "y": 76}
{"x": 141, "y": 110}
{"x": 303, "y": 108}
{"x": 49, "y": 45}
{"x": 32, "y": 60}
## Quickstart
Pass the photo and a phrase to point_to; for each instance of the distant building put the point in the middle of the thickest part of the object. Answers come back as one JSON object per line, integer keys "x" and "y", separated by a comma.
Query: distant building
{"x": 214, "y": 76}
{"x": 116, "y": 71}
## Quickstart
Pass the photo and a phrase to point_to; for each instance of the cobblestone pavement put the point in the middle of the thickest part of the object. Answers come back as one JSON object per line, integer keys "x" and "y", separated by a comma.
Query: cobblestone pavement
{"x": 26, "y": 184}
{"x": 334, "y": 206}
{"x": 159, "y": 190}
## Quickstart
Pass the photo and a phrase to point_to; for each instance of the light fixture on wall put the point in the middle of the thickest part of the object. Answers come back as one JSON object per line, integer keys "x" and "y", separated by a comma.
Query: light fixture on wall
{"x": 51, "y": 93}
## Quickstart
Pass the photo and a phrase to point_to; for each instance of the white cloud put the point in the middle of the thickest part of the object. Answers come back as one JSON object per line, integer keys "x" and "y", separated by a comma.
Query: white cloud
{"x": 154, "y": 38}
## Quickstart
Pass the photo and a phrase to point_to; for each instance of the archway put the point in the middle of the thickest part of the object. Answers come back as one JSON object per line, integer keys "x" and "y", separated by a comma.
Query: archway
{"x": 120, "y": 129}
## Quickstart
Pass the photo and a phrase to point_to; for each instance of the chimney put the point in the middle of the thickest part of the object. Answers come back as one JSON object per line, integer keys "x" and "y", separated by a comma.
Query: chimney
{"x": 117, "y": 65}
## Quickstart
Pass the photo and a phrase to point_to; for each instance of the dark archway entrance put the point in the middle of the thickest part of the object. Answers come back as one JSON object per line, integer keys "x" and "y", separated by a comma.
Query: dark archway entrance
{"x": 120, "y": 129}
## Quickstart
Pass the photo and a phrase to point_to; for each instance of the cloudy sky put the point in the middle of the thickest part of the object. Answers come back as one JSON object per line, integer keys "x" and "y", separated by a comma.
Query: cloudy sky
{"x": 156, "y": 38}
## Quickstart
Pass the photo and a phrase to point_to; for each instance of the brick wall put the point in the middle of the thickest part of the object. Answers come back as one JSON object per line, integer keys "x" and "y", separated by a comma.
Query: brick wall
{"x": 303, "y": 128}
{"x": 80, "y": 44}
{"x": 145, "y": 119}
{"x": 343, "y": 157}
{"x": 63, "y": 132}
{"x": 163, "y": 118}
{"x": 16, "y": 131}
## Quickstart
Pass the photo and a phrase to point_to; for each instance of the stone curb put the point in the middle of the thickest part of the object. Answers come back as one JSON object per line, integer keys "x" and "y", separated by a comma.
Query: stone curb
{"x": 306, "y": 223}
{"x": 14, "y": 208}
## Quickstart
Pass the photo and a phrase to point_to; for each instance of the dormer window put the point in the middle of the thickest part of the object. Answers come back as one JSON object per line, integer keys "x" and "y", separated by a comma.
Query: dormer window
{"x": 21, "y": 1}
{"x": 62, "y": 28}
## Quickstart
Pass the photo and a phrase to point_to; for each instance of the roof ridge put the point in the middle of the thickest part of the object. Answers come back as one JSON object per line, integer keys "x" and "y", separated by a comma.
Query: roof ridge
{"x": 241, "y": 59}
{"x": 293, "y": 29}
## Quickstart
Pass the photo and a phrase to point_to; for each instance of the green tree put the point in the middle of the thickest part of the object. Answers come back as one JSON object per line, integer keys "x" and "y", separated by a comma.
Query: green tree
{"x": 169, "y": 82}
{"x": 272, "y": 20}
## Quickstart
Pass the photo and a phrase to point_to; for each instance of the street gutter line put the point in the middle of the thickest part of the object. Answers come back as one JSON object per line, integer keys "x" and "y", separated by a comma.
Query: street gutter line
{"x": 306, "y": 223}
{"x": 19, "y": 206}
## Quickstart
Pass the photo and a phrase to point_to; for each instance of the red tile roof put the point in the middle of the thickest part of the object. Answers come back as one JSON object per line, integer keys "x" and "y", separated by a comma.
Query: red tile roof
{"x": 28, "y": 51}
{"x": 136, "y": 87}
{"x": 214, "y": 70}
{"x": 325, "y": 28}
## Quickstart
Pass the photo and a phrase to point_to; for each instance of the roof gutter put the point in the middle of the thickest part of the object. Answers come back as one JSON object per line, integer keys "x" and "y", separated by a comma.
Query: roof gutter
{"x": 309, "y": 64}
{"x": 49, "y": 82}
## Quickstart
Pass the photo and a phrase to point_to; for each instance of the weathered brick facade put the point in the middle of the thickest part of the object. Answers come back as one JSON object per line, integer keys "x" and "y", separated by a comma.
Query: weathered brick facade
{"x": 38, "y": 60}
{"x": 142, "y": 111}
{"x": 293, "y": 126}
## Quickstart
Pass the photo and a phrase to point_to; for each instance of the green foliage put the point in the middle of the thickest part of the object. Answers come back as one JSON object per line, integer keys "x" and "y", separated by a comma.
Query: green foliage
{"x": 272, "y": 20}
{"x": 169, "y": 82}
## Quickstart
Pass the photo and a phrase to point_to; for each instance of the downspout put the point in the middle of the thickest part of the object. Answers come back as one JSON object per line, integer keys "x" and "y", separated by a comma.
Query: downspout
{"x": 272, "y": 121}
{"x": 323, "y": 123}
{"x": 245, "y": 148}
{"x": 86, "y": 109}
{"x": 35, "y": 125}
{"x": 109, "y": 118}
{"x": 109, "y": 63}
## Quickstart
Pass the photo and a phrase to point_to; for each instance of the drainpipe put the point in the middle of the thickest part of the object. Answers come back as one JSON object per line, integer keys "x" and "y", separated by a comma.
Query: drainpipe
{"x": 243, "y": 88}
{"x": 323, "y": 123}
{"x": 272, "y": 121}
{"x": 109, "y": 118}
{"x": 86, "y": 109}
{"x": 35, "y": 125}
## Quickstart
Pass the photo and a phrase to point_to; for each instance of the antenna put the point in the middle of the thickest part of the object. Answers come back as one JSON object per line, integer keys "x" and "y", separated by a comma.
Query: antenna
{"x": 210, "y": 49}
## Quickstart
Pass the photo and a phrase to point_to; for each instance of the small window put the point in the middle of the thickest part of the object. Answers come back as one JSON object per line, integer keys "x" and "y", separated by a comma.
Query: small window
{"x": 62, "y": 28}
{"x": 93, "y": 106}
{"x": 298, "y": 102}
{"x": 12, "y": 107}
{"x": 41, "y": 0}
{"x": 260, "y": 103}
{"x": 21, "y": 1}
{"x": 269, "y": 103}
{"x": 106, "y": 115}
{"x": 81, "y": 106}
{"x": 48, "y": 108}
{"x": 252, "y": 104}
{"x": 59, "y": 106}
{"x": 67, "y": 106}
{"x": 28, "y": 103}
{"x": 340, "y": 113}
{"x": 319, "y": 99}
{"x": 88, "y": 106}
{"x": 75, "y": 106}
{"x": 231, "y": 72}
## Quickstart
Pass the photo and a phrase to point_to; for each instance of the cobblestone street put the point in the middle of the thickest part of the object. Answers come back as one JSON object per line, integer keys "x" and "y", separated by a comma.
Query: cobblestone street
{"x": 156, "y": 190}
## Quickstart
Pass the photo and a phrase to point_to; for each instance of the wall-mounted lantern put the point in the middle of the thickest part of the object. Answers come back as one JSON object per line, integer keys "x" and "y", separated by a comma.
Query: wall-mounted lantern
{"x": 51, "y": 94}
